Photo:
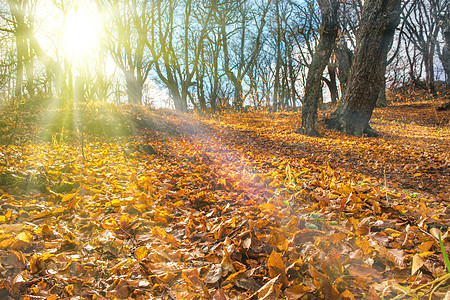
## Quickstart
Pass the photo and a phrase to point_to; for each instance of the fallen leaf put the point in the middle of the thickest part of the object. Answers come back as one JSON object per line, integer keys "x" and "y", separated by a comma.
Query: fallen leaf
{"x": 417, "y": 263}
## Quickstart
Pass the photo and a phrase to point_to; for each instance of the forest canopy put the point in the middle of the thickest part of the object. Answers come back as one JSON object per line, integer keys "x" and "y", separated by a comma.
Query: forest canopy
{"x": 203, "y": 54}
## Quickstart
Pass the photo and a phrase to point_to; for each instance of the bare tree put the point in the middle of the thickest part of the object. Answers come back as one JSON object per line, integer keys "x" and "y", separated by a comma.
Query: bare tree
{"x": 313, "y": 89}
{"x": 422, "y": 23}
{"x": 444, "y": 54}
{"x": 238, "y": 63}
{"x": 379, "y": 21}
{"x": 127, "y": 42}
{"x": 20, "y": 24}
{"x": 177, "y": 48}
{"x": 211, "y": 72}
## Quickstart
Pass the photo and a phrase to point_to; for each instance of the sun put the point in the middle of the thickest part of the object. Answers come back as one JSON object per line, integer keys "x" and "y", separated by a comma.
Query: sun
{"x": 81, "y": 32}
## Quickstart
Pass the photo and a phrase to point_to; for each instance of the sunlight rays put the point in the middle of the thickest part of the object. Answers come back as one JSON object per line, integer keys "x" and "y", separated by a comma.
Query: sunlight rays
{"x": 81, "y": 32}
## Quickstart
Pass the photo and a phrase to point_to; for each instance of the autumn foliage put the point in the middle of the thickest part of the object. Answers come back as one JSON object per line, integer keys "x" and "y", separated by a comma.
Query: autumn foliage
{"x": 230, "y": 206}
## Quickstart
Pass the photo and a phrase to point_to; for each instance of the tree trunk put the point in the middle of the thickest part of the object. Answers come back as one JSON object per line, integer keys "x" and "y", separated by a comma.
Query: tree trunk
{"x": 29, "y": 68}
{"x": 382, "y": 101}
{"x": 428, "y": 58}
{"x": 134, "y": 88}
{"x": 344, "y": 58}
{"x": 238, "y": 102}
{"x": 180, "y": 105}
{"x": 378, "y": 23}
{"x": 331, "y": 83}
{"x": 276, "y": 86}
{"x": 178, "y": 100}
{"x": 313, "y": 89}
{"x": 292, "y": 78}
{"x": 19, "y": 71}
{"x": 445, "y": 55}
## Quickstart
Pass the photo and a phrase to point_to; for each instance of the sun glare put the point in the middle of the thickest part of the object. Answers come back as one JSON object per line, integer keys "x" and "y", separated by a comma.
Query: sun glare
{"x": 80, "y": 33}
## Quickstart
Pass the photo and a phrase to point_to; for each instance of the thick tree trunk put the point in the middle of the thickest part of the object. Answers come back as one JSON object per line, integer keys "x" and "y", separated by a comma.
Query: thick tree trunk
{"x": 428, "y": 58}
{"x": 445, "y": 55}
{"x": 313, "y": 89}
{"x": 378, "y": 23}
{"x": 135, "y": 86}
{"x": 134, "y": 91}
{"x": 178, "y": 100}
{"x": 180, "y": 105}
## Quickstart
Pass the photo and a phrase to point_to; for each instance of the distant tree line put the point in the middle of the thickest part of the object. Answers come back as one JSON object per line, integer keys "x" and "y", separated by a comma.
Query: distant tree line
{"x": 210, "y": 54}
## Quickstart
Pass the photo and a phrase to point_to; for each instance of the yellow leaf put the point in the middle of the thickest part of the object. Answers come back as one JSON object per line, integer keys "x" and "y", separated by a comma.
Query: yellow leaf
{"x": 426, "y": 254}
{"x": 392, "y": 232}
{"x": 179, "y": 203}
{"x": 69, "y": 289}
{"x": 67, "y": 198}
{"x": 233, "y": 276}
{"x": 115, "y": 202}
{"x": 42, "y": 214}
{"x": 24, "y": 237}
{"x": 283, "y": 245}
{"x": 348, "y": 295}
{"x": 141, "y": 253}
{"x": 8, "y": 215}
{"x": 276, "y": 266}
{"x": 35, "y": 265}
{"x": 6, "y": 243}
{"x": 267, "y": 206}
{"x": 22, "y": 240}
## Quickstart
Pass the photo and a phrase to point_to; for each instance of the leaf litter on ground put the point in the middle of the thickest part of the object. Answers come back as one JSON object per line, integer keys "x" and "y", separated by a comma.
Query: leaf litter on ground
{"x": 234, "y": 206}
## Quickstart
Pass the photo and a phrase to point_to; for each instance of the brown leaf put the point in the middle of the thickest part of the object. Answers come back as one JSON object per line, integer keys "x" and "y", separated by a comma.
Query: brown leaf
{"x": 18, "y": 281}
{"x": 271, "y": 290}
{"x": 227, "y": 263}
{"x": 220, "y": 295}
{"x": 214, "y": 273}
{"x": 417, "y": 263}
{"x": 364, "y": 275}
{"x": 295, "y": 292}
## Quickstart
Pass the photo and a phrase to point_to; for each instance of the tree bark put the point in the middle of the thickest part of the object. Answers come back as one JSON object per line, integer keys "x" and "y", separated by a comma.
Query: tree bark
{"x": 135, "y": 86}
{"x": 331, "y": 83}
{"x": 313, "y": 89}
{"x": 445, "y": 55}
{"x": 428, "y": 57}
{"x": 344, "y": 58}
{"x": 276, "y": 93}
{"x": 382, "y": 100}
{"x": 378, "y": 23}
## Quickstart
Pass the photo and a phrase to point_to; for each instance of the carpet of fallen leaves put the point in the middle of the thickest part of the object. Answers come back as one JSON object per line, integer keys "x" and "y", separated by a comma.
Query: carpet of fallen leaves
{"x": 234, "y": 206}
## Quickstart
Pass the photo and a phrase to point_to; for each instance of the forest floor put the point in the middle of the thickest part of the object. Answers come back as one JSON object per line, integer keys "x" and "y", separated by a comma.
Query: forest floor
{"x": 230, "y": 206}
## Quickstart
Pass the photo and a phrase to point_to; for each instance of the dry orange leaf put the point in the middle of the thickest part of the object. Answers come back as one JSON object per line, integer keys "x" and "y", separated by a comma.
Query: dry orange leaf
{"x": 417, "y": 263}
